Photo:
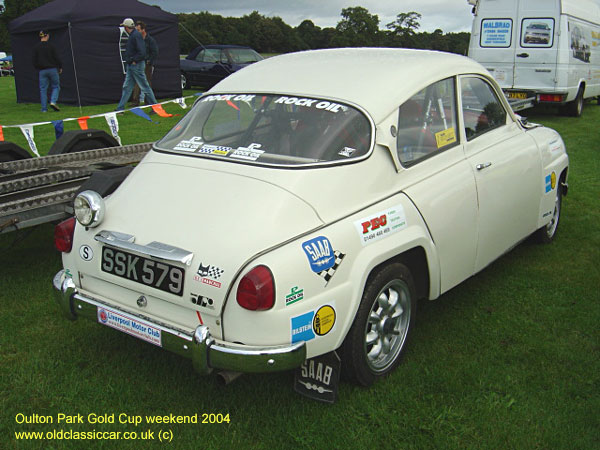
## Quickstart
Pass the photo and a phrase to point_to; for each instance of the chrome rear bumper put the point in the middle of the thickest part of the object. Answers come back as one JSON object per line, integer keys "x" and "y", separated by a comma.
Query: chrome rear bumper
{"x": 206, "y": 352}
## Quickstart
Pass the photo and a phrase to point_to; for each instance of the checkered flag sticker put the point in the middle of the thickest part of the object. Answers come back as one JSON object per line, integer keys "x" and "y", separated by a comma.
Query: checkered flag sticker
{"x": 327, "y": 274}
{"x": 215, "y": 273}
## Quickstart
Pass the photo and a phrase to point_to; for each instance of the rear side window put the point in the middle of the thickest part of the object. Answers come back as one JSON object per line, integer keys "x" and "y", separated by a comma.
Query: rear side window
{"x": 482, "y": 110}
{"x": 427, "y": 123}
{"x": 496, "y": 33}
{"x": 537, "y": 32}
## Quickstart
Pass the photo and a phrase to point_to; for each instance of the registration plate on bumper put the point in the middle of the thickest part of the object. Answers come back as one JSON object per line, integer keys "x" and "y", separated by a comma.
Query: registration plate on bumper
{"x": 518, "y": 95}
{"x": 166, "y": 277}
{"x": 130, "y": 325}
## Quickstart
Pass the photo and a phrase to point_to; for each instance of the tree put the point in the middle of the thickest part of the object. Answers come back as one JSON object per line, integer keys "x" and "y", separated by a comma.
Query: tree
{"x": 11, "y": 10}
{"x": 358, "y": 27}
{"x": 406, "y": 24}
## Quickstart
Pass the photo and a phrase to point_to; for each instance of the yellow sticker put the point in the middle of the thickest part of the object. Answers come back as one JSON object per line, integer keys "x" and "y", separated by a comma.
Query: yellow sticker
{"x": 324, "y": 320}
{"x": 445, "y": 137}
{"x": 553, "y": 180}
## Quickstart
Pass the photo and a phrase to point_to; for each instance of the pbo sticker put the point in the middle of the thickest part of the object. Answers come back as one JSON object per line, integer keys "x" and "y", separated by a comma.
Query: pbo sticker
{"x": 380, "y": 225}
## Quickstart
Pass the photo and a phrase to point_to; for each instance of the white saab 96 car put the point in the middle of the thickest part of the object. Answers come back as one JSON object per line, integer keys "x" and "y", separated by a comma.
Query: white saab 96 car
{"x": 305, "y": 204}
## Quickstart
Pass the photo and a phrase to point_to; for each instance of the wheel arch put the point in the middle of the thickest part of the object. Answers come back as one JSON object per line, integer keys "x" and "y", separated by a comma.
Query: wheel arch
{"x": 415, "y": 259}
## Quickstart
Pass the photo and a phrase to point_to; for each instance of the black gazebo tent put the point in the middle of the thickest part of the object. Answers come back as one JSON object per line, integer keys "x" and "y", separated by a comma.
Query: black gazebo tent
{"x": 86, "y": 34}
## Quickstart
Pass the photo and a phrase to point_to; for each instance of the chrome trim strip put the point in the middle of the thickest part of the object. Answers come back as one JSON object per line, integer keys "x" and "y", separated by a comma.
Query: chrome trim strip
{"x": 156, "y": 250}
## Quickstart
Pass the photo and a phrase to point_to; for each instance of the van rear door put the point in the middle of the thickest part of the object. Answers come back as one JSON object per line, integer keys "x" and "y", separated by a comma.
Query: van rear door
{"x": 493, "y": 39}
{"x": 536, "y": 49}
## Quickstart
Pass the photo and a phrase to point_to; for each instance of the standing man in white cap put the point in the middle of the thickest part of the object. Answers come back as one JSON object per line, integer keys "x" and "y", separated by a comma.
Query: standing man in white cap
{"x": 135, "y": 58}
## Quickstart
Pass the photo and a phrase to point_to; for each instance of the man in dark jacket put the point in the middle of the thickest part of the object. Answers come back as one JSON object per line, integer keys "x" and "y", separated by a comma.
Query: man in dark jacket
{"x": 46, "y": 60}
{"x": 135, "y": 58}
{"x": 151, "y": 55}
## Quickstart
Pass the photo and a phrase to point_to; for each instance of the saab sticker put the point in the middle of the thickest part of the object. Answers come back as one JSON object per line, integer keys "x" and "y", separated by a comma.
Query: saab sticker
{"x": 380, "y": 225}
{"x": 550, "y": 182}
{"x": 319, "y": 253}
{"x": 323, "y": 260}
{"x": 294, "y": 296}
{"x": 86, "y": 252}
{"x": 302, "y": 329}
{"x": 324, "y": 320}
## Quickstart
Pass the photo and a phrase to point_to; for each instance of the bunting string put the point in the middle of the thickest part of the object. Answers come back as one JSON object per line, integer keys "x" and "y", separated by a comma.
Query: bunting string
{"x": 110, "y": 117}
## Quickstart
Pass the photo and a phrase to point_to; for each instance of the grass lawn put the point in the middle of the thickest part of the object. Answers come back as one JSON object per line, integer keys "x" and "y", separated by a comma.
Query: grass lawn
{"x": 510, "y": 359}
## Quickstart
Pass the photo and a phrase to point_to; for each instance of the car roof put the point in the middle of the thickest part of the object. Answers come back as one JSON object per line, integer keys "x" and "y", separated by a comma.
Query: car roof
{"x": 222, "y": 46}
{"x": 377, "y": 79}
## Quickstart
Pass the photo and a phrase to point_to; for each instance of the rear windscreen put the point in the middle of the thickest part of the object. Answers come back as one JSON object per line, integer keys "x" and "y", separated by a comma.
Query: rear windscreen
{"x": 271, "y": 129}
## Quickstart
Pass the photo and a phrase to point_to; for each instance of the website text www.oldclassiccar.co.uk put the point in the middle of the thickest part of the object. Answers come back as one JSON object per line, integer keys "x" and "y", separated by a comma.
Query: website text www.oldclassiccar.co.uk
{"x": 67, "y": 422}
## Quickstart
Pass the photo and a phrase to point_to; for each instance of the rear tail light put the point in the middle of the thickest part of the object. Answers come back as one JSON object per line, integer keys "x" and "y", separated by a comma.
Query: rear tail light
{"x": 63, "y": 235}
{"x": 555, "y": 98}
{"x": 256, "y": 290}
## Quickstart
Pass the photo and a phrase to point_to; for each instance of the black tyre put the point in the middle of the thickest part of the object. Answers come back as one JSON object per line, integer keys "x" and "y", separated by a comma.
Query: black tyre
{"x": 374, "y": 344}
{"x": 546, "y": 234}
{"x": 185, "y": 84}
{"x": 575, "y": 108}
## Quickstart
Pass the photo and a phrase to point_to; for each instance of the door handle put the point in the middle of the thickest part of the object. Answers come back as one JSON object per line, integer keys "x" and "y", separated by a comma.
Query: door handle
{"x": 523, "y": 55}
{"x": 483, "y": 166}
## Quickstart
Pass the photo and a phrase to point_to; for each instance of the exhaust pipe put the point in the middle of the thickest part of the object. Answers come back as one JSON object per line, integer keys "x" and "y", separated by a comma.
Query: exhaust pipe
{"x": 226, "y": 377}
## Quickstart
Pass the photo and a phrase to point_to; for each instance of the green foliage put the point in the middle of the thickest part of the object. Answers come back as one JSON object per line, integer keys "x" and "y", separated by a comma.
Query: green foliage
{"x": 13, "y": 9}
{"x": 357, "y": 28}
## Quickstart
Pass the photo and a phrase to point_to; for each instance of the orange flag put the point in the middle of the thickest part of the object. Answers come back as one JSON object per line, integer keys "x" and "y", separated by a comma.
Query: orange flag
{"x": 83, "y": 122}
{"x": 1, "y": 134}
{"x": 158, "y": 109}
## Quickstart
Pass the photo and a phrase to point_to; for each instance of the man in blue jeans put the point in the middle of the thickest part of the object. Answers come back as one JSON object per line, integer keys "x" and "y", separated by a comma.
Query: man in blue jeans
{"x": 46, "y": 60}
{"x": 135, "y": 57}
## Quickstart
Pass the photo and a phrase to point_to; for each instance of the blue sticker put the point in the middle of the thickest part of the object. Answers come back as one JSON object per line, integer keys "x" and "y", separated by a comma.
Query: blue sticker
{"x": 548, "y": 183}
{"x": 302, "y": 329}
{"x": 320, "y": 254}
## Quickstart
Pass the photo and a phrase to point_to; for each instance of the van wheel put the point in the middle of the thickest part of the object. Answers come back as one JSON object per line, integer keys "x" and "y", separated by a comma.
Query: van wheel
{"x": 575, "y": 108}
{"x": 386, "y": 314}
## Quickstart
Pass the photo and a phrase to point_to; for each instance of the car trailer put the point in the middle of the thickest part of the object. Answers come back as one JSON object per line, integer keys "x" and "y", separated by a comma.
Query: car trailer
{"x": 39, "y": 190}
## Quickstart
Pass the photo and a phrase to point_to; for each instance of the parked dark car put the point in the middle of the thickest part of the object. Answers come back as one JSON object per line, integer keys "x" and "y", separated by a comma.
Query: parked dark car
{"x": 207, "y": 65}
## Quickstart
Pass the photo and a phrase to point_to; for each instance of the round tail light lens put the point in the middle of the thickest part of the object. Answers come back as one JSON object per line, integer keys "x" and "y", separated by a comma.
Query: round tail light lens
{"x": 256, "y": 290}
{"x": 63, "y": 235}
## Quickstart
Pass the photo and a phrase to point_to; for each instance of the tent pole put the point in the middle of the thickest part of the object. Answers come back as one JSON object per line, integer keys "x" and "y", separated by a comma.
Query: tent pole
{"x": 75, "y": 70}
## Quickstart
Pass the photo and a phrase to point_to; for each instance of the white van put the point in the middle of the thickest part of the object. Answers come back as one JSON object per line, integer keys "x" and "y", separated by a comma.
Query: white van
{"x": 547, "y": 51}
